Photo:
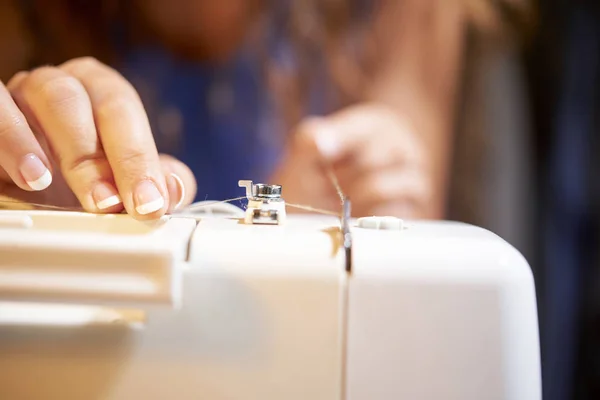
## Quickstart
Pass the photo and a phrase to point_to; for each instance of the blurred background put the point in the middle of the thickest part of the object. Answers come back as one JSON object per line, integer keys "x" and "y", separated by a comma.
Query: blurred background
{"x": 539, "y": 188}
{"x": 526, "y": 149}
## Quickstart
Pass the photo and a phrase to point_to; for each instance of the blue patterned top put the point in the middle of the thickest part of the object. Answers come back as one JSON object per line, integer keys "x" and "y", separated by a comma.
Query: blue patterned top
{"x": 218, "y": 121}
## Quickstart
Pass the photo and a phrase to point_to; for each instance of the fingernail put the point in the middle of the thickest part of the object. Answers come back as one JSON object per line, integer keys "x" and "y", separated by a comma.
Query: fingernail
{"x": 326, "y": 144}
{"x": 176, "y": 189}
{"x": 35, "y": 173}
{"x": 106, "y": 196}
{"x": 148, "y": 198}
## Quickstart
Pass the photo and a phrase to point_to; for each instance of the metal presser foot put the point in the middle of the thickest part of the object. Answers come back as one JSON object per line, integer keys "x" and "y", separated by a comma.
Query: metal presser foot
{"x": 265, "y": 204}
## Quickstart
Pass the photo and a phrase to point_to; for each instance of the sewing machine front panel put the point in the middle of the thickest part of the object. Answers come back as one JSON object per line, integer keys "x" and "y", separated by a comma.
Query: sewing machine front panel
{"x": 260, "y": 318}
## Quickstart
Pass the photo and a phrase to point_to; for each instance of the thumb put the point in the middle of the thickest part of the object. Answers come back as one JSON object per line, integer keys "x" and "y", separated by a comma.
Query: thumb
{"x": 181, "y": 183}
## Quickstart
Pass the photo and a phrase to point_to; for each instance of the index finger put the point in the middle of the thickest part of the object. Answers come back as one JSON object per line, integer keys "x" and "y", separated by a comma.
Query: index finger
{"x": 126, "y": 137}
{"x": 21, "y": 156}
{"x": 370, "y": 136}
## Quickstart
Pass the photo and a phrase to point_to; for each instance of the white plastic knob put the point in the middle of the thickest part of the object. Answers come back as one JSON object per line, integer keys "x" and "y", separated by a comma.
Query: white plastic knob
{"x": 16, "y": 221}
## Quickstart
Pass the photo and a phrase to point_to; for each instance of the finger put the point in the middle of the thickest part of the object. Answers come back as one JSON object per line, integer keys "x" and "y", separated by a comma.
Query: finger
{"x": 304, "y": 181}
{"x": 409, "y": 188}
{"x": 348, "y": 172}
{"x": 62, "y": 109}
{"x": 126, "y": 137}
{"x": 14, "y": 86}
{"x": 181, "y": 183}
{"x": 17, "y": 79}
{"x": 368, "y": 136}
{"x": 21, "y": 155}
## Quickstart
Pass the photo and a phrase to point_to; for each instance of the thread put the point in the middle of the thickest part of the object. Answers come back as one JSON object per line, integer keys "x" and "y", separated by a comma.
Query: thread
{"x": 312, "y": 209}
{"x": 336, "y": 185}
{"x": 39, "y": 205}
{"x": 197, "y": 207}
{"x": 189, "y": 209}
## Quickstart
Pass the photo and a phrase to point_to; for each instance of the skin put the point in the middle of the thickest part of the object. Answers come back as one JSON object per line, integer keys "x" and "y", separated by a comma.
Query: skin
{"x": 390, "y": 152}
{"x": 87, "y": 125}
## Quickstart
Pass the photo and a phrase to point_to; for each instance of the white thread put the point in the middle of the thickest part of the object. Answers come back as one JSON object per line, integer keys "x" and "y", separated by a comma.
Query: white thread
{"x": 335, "y": 184}
{"x": 205, "y": 203}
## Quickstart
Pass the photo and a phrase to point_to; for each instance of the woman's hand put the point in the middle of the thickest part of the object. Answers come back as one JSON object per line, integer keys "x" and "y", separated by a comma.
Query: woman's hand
{"x": 379, "y": 162}
{"x": 78, "y": 133}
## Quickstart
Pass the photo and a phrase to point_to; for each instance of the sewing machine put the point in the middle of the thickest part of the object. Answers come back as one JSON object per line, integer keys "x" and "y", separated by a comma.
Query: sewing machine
{"x": 222, "y": 306}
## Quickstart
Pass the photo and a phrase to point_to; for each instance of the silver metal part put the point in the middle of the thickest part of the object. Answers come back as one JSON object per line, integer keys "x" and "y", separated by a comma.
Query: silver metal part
{"x": 265, "y": 204}
{"x": 257, "y": 191}
{"x": 347, "y": 236}
{"x": 260, "y": 190}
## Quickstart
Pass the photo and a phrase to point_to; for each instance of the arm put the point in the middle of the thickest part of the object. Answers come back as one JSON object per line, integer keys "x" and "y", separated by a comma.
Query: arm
{"x": 390, "y": 148}
{"x": 420, "y": 44}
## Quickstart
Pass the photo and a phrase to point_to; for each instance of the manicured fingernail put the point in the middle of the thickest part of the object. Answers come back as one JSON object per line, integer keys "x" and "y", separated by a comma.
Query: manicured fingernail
{"x": 35, "y": 173}
{"x": 176, "y": 190}
{"x": 106, "y": 196}
{"x": 148, "y": 198}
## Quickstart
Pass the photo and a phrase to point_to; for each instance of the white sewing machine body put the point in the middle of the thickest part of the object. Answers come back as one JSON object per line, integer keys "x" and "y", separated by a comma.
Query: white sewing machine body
{"x": 105, "y": 307}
